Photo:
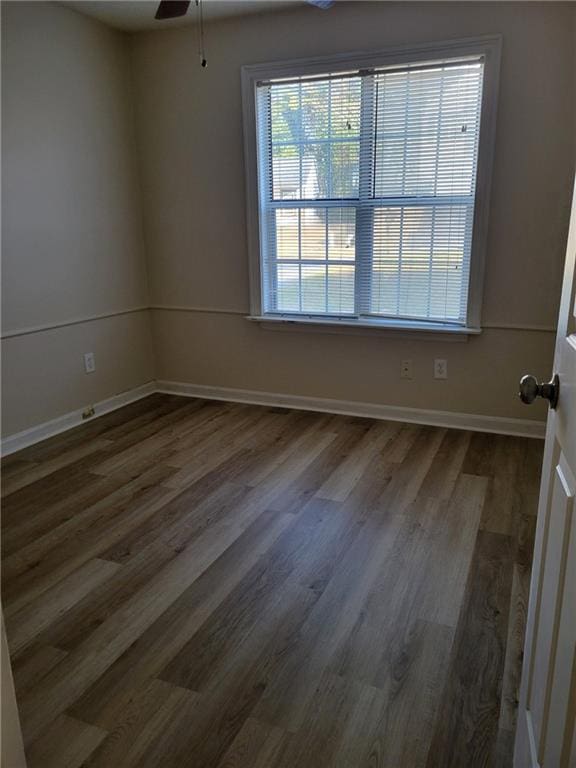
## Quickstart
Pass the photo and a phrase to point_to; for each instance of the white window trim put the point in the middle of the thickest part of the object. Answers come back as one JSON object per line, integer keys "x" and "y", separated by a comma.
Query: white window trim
{"x": 489, "y": 47}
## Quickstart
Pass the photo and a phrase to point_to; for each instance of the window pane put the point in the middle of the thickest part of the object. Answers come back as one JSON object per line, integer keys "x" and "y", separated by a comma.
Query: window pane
{"x": 343, "y": 172}
{"x": 386, "y": 261}
{"x": 419, "y": 266}
{"x": 284, "y": 111}
{"x": 288, "y": 287}
{"x": 341, "y": 234}
{"x": 315, "y": 139}
{"x": 345, "y": 108}
{"x": 313, "y": 233}
{"x": 302, "y": 277}
{"x": 315, "y": 111}
{"x": 287, "y": 233}
{"x": 288, "y": 172}
{"x": 427, "y": 126}
{"x": 314, "y": 288}
{"x": 341, "y": 289}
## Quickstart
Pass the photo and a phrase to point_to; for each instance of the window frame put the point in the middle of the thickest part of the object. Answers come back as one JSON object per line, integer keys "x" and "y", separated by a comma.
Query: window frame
{"x": 489, "y": 47}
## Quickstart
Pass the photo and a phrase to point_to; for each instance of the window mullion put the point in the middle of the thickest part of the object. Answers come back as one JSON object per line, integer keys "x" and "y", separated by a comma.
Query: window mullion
{"x": 365, "y": 211}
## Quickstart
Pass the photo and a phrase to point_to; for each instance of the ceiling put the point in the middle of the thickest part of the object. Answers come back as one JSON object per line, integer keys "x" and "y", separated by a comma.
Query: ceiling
{"x": 134, "y": 15}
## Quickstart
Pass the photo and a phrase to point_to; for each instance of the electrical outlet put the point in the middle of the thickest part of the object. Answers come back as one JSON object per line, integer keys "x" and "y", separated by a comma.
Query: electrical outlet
{"x": 440, "y": 369}
{"x": 406, "y": 371}
{"x": 89, "y": 362}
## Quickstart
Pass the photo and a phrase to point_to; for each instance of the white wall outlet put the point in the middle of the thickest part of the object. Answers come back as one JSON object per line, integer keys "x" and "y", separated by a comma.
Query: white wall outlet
{"x": 89, "y": 362}
{"x": 440, "y": 369}
{"x": 406, "y": 369}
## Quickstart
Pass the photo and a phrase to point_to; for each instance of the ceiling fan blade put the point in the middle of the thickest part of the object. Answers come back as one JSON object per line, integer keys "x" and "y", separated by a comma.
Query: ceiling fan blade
{"x": 323, "y": 4}
{"x": 172, "y": 9}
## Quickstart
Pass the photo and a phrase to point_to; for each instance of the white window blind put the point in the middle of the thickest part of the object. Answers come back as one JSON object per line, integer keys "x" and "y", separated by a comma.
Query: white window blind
{"x": 366, "y": 191}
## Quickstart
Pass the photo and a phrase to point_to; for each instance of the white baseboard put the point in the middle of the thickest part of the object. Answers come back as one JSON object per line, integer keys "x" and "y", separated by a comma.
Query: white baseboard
{"x": 474, "y": 422}
{"x": 20, "y": 440}
{"x": 451, "y": 419}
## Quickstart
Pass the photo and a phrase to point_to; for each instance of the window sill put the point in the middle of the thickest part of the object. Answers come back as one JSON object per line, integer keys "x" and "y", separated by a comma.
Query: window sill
{"x": 398, "y": 329}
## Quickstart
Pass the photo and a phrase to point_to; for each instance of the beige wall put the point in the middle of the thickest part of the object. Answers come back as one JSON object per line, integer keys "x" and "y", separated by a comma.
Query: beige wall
{"x": 190, "y": 143}
{"x": 72, "y": 244}
{"x": 72, "y": 211}
{"x": 43, "y": 373}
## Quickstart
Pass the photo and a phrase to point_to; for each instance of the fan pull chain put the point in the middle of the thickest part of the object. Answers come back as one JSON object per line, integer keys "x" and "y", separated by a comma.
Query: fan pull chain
{"x": 201, "y": 52}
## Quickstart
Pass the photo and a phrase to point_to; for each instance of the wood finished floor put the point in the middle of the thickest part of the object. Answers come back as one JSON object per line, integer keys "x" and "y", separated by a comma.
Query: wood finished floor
{"x": 190, "y": 583}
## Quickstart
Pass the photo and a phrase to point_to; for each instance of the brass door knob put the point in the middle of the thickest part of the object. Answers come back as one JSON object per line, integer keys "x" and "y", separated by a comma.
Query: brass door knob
{"x": 530, "y": 389}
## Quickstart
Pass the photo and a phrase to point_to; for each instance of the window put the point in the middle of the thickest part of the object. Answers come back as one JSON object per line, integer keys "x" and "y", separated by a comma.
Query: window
{"x": 368, "y": 183}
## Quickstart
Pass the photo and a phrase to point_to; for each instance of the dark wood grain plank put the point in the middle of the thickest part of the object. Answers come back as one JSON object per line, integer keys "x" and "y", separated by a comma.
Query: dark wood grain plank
{"x": 271, "y": 589}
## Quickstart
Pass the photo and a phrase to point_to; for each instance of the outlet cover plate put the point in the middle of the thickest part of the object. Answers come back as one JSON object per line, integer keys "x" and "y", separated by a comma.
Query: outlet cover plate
{"x": 89, "y": 362}
{"x": 440, "y": 368}
{"x": 406, "y": 369}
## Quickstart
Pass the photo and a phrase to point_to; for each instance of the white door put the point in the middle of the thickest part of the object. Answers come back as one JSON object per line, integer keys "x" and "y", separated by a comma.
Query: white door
{"x": 545, "y": 733}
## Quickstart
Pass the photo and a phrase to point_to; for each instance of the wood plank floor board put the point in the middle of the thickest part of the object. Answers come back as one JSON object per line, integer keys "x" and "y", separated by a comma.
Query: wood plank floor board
{"x": 468, "y": 715}
{"x": 28, "y": 528}
{"x": 26, "y": 625}
{"x": 411, "y": 472}
{"x": 104, "y": 700}
{"x": 328, "y": 626}
{"x": 46, "y": 468}
{"x": 124, "y": 419}
{"x": 240, "y": 683}
{"x": 218, "y": 585}
{"x": 88, "y": 614}
{"x": 328, "y": 463}
{"x": 138, "y": 415}
{"x": 396, "y": 600}
{"x": 449, "y": 551}
{"x": 281, "y": 439}
{"x": 59, "y": 480}
{"x": 411, "y": 680}
{"x": 445, "y": 469}
{"x": 322, "y": 737}
{"x": 182, "y": 518}
{"x": 42, "y": 564}
{"x": 257, "y": 745}
{"x": 160, "y": 742}
{"x": 514, "y": 647}
{"x": 402, "y": 444}
{"x": 344, "y": 477}
{"x": 91, "y": 658}
{"x": 52, "y": 489}
{"x": 14, "y": 466}
{"x": 300, "y": 556}
{"x": 137, "y": 447}
{"x": 76, "y": 740}
{"x": 219, "y": 445}
{"x": 115, "y": 498}
{"x": 34, "y": 664}
{"x": 146, "y": 716}
{"x": 169, "y": 424}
